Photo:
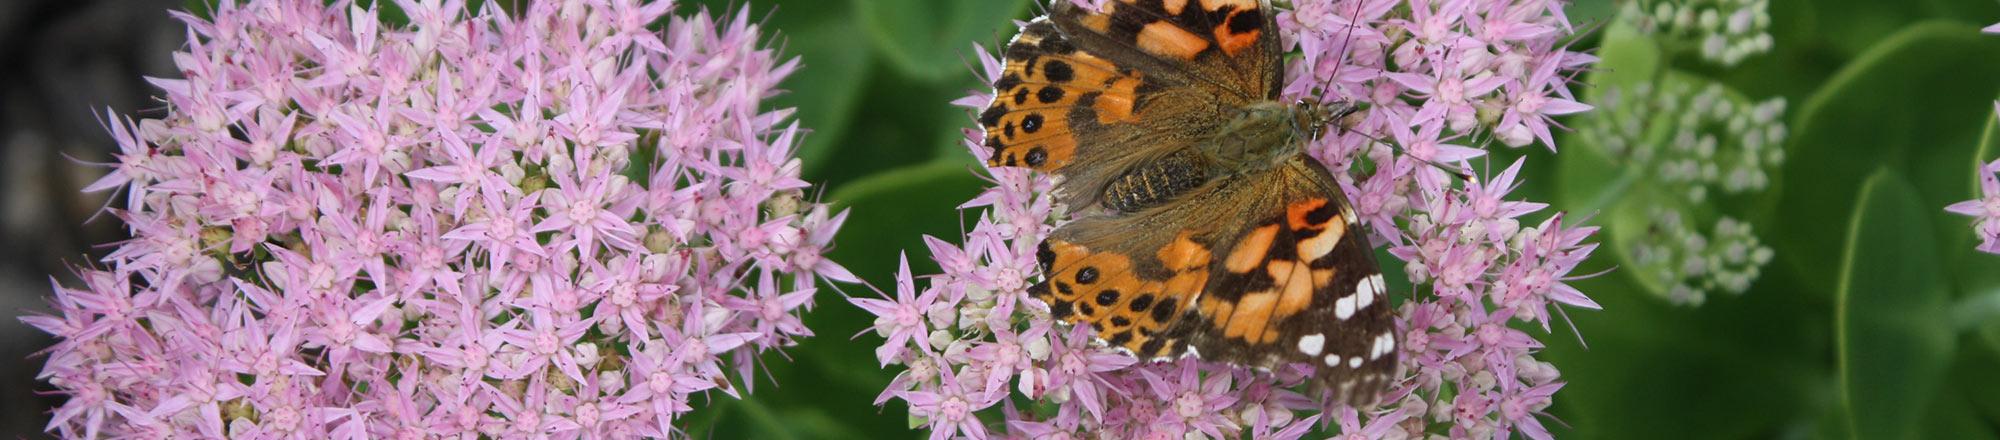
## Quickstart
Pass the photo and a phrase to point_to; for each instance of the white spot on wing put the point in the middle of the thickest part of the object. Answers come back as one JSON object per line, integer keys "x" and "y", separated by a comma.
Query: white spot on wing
{"x": 1311, "y": 344}
{"x": 1366, "y": 289}
{"x": 1383, "y": 344}
{"x": 1333, "y": 360}
{"x": 1344, "y": 308}
{"x": 1354, "y": 362}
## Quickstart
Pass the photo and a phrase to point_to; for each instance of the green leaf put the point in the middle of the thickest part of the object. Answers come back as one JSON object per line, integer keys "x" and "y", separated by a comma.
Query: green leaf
{"x": 1626, "y": 58}
{"x": 825, "y": 387}
{"x": 1892, "y": 347}
{"x": 893, "y": 210}
{"x": 1851, "y": 26}
{"x": 1737, "y": 367}
{"x": 1962, "y": 411}
{"x": 908, "y": 122}
{"x": 931, "y": 39}
{"x": 827, "y": 88}
{"x": 1916, "y": 103}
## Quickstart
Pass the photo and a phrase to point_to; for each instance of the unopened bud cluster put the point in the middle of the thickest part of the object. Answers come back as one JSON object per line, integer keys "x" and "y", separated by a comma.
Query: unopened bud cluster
{"x": 1721, "y": 31}
{"x": 1691, "y": 264}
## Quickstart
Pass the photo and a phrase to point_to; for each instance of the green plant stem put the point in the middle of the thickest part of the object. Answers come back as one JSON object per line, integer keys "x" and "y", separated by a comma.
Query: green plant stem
{"x": 1613, "y": 191}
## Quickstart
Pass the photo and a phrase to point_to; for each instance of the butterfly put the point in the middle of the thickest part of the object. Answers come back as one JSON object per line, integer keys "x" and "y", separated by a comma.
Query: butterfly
{"x": 1201, "y": 227}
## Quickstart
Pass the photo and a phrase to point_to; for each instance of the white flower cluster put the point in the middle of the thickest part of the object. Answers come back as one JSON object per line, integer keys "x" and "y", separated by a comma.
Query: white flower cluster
{"x": 1693, "y": 143}
{"x": 1691, "y": 265}
{"x": 1722, "y": 31}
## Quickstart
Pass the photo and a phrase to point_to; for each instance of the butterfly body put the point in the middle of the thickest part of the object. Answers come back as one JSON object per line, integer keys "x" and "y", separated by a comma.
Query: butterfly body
{"x": 1202, "y": 228}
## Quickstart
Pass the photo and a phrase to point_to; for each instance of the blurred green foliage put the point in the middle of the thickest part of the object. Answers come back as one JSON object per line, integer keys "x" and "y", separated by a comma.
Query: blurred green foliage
{"x": 1877, "y": 319}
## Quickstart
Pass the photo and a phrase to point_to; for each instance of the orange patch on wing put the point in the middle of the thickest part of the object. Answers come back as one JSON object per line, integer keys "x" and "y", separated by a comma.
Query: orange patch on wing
{"x": 1298, "y": 283}
{"x": 1234, "y": 42}
{"x": 1320, "y": 245}
{"x": 1165, "y": 39}
{"x": 1106, "y": 300}
{"x": 1116, "y": 104}
{"x": 1029, "y": 115}
{"x": 1174, "y": 7}
{"x": 1101, "y": 23}
{"x": 1253, "y": 313}
{"x": 1072, "y": 259}
{"x": 1186, "y": 285}
{"x": 1217, "y": 310}
{"x": 1251, "y": 249}
{"x": 1218, "y": 4}
{"x": 1184, "y": 254}
{"x": 1295, "y": 214}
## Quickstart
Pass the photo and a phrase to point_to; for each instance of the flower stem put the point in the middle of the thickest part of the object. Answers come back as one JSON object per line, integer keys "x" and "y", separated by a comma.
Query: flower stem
{"x": 1614, "y": 190}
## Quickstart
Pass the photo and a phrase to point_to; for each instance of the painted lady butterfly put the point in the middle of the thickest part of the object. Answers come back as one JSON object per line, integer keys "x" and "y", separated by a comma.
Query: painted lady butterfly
{"x": 1202, "y": 228}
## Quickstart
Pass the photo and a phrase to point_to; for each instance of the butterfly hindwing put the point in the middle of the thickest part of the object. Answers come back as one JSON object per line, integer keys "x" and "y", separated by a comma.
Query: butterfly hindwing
{"x": 1300, "y": 284}
{"x": 1096, "y": 276}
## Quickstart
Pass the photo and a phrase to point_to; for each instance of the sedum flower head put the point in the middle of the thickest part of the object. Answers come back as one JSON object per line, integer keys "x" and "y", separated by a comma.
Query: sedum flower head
{"x": 483, "y": 224}
{"x": 1694, "y": 144}
{"x": 1434, "y": 80}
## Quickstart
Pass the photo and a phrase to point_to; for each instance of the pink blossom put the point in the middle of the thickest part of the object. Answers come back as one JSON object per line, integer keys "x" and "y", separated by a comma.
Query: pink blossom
{"x": 1986, "y": 208}
{"x": 344, "y": 229}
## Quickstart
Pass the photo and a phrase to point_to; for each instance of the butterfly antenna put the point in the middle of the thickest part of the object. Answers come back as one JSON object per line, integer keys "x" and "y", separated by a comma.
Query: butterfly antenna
{"x": 1346, "y": 43}
{"x": 1333, "y": 81}
{"x": 1455, "y": 171}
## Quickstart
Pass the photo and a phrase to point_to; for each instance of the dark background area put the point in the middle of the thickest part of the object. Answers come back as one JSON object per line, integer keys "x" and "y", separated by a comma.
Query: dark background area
{"x": 62, "y": 62}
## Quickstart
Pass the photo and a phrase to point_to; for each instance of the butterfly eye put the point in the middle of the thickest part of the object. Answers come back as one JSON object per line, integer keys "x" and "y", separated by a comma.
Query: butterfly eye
{"x": 1308, "y": 118}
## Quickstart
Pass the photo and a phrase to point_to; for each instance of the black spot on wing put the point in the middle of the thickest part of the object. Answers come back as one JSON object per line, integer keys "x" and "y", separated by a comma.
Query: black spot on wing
{"x": 1165, "y": 310}
{"x": 991, "y": 117}
{"x": 1246, "y": 21}
{"x": 1007, "y": 82}
{"x": 1058, "y": 71}
{"x": 1152, "y": 346}
{"x": 1086, "y": 275}
{"x": 1050, "y": 94}
{"x": 1119, "y": 340}
{"x": 1107, "y": 297}
{"x": 1141, "y": 303}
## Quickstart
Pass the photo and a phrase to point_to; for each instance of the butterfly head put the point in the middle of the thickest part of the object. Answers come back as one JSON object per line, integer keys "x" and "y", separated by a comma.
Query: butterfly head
{"x": 1311, "y": 117}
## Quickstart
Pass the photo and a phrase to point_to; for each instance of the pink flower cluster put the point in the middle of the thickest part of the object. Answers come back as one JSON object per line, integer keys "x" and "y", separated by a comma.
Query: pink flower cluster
{"x": 562, "y": 222}
{"x": 1986, "y": 208}
{"x": 1433, "y": 79}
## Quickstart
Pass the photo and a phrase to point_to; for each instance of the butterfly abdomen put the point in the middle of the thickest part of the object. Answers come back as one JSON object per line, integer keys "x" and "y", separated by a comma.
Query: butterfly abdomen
{"x": 1157, "y": 182}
